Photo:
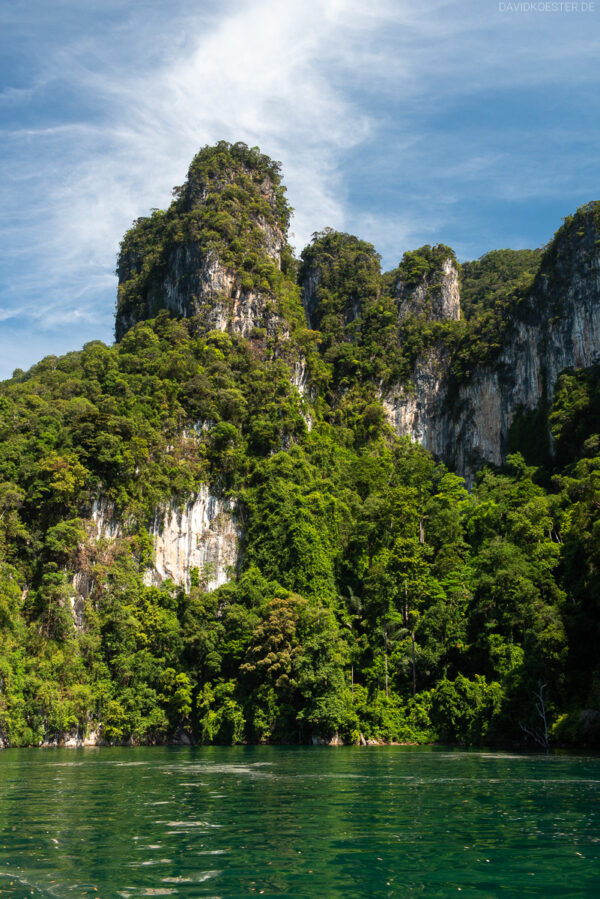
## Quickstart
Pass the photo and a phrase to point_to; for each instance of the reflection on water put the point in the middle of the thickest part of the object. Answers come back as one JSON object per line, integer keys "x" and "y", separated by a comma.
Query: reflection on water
{"x": 287, "y": 821}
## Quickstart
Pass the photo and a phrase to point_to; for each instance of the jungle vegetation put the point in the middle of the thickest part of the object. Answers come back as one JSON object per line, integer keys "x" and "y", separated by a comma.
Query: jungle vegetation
{"x": 376, "y": 597}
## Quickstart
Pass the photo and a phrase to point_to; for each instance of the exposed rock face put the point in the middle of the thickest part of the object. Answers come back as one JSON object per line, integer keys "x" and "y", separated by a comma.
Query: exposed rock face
{"x": 556, "y": 327}
{"x": 203, "y": 535}
{"x": 300, "y": 377}
{"x": 103, "y": 528}
{"x": 80, "y": 739}
{"x": 416, "y": 409}
{"x": 208, "y": 256}
{"x": 437, "y": 297}
{"x": 198, "y": 283}
{"x": 103, "y": 519}
{"x": 82, "y": 587}
{"x": 217, "y": 255}
{"x": 73, "y": 740}
{"x": 335, "y": 740}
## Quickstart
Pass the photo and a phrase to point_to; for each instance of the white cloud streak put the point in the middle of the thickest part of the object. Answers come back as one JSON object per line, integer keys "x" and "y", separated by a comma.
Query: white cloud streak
{"x": 257, "y": 74}
{"x": 110, "y": 120}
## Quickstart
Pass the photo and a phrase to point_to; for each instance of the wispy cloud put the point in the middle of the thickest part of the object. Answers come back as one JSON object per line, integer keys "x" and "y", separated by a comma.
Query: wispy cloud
{"x": 258, "y": 72}
{"x": 375, "y": 110}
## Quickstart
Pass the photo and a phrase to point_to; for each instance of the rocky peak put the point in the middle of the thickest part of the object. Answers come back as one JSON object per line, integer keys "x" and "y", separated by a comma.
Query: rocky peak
{"x": 219, "y": 252}
{"x": 338, "y": 275}
{"x": 498, "y": 406}
{"x": 428, "y": 284}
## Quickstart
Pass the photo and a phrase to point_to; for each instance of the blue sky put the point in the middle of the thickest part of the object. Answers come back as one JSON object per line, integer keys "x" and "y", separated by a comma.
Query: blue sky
{"x": 403, "y": 122}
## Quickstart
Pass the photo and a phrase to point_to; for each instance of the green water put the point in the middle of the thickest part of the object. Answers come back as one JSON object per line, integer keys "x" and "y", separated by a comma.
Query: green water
{"x": 279, "y": 821}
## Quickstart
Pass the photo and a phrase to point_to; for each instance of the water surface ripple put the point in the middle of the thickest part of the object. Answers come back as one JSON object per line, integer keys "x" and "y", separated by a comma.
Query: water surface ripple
{"x": 303, "y": 822}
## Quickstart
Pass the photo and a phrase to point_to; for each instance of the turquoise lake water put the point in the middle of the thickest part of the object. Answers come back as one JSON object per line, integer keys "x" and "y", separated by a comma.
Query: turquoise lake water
{"x": 286, "y": 821}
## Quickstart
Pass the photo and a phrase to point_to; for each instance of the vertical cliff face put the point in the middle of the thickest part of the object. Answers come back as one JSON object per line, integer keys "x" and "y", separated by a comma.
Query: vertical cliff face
{"x": 467, "y": 422}
{"x": 436, "y": 293}
{"x": 217, "y": 253}
{"x": 426, "y": 290}
{"x": 203, "y": 535}
{"x": 556, "y": 327}
{"x": 103, "y": 519}
{"x": 419, "y": 409}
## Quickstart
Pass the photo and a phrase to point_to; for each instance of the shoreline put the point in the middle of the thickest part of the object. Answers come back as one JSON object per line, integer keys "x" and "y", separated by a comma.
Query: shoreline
{"x": 94, "y": 741}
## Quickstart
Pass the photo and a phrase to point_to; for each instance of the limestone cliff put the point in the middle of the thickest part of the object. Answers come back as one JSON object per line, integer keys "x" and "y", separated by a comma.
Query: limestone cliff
{"x": 203, "y": 535}
{"x": 199, "y": 539}
{"x": 436, "y": 294}
{"x": 467, "y": 421}
{"x": 217, "y": 253}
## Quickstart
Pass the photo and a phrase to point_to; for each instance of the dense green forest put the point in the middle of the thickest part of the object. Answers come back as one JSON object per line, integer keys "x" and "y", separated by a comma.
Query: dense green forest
{"x": 376, "y": 598}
